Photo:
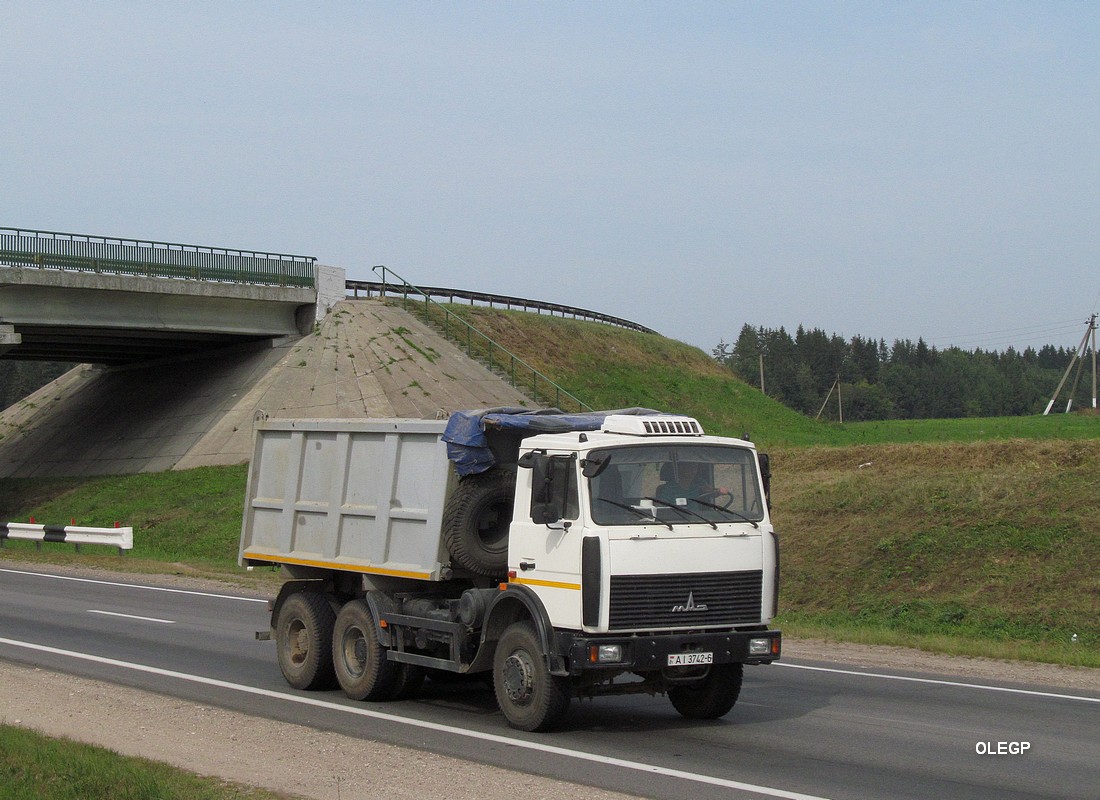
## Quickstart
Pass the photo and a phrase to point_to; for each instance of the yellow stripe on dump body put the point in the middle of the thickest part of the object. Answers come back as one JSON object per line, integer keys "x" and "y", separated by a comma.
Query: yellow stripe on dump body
{"x": 551, "y": 584}
{"x": 305, "y": 562}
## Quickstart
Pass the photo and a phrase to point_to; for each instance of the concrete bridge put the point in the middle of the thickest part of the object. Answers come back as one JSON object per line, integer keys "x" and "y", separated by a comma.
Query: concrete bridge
{"x": 182, "y": 348}
{"x": 92, "y": 299}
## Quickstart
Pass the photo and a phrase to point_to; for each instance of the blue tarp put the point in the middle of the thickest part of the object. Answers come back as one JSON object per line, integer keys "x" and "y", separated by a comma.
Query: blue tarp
{"x": 468, "y": 447}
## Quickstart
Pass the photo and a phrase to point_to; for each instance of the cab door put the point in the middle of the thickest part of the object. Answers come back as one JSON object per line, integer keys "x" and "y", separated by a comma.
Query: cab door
{"x": 544, "y": 544}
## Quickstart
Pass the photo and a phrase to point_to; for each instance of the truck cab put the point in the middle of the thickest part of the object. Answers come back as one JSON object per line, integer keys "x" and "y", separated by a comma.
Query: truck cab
{"x": 637, "y": 527}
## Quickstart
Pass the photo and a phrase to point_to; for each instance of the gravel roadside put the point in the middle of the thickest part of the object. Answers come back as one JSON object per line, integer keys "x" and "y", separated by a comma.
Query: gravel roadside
{"x": 292, "y": 759}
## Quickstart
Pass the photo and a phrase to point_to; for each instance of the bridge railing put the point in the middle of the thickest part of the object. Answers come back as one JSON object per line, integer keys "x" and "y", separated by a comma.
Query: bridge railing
{"x": 494, "y": 300}
{"x": 479, "y": 346}
{"x": 78, "y": 252}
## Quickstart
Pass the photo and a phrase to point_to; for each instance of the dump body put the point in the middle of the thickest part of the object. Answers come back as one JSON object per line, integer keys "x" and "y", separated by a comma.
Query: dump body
{"x": 352, "y": 495}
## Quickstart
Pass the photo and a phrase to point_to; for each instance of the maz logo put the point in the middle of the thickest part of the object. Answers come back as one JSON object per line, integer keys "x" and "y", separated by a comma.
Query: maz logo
{"x": 691, "y": 605}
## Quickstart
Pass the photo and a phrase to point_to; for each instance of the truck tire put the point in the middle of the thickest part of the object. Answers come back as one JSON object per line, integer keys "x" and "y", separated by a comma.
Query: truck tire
{"x": 303, "y": 638}
{"x": 476, "y": 520}
{"x": 362, "y": 669}
{"x": 531, "y": 698}
{"x": 410, "y": 677}
{"x": 710, "y": 697}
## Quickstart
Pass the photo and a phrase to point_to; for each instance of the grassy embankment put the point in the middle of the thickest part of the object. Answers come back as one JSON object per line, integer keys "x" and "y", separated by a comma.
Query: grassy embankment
{"x": 34, "y": 767}
{"x": 185, "y": 522}
{"x": 964, "y": 536}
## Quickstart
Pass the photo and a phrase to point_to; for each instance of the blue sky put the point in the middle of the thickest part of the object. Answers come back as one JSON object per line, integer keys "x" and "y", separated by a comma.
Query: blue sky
{"x": 893, "y": 170}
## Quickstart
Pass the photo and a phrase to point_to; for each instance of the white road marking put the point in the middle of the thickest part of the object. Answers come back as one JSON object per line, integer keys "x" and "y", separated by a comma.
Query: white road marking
{"x": 132, "y": 616}
{"x": 133, "y": 586}
{"x": 580, "y": 755}
{"x": 937, "y": 682}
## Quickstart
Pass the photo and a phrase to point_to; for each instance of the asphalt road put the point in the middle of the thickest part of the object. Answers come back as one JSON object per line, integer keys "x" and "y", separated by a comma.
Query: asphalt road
{"x": 799, "y": 730}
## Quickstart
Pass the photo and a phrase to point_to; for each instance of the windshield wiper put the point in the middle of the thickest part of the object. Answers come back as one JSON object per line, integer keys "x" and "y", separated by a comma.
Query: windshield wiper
{"x": 633, "y": 510}
{"x": 682, "y": 510}
{"x": 737, "y": 514}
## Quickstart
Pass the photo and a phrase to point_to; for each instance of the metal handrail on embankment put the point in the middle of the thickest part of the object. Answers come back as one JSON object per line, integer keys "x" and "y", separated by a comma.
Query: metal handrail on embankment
{"x": 492, "y": 300}
{"x": 78, "y": 252}
{"x": 478, "y": 345}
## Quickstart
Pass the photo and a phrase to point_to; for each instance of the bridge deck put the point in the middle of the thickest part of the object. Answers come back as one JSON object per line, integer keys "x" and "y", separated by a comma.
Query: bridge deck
{"x": 105, "y": 254}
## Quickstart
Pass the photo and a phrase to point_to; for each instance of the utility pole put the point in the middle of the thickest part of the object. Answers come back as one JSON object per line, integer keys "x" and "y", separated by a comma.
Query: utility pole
{"x": 839, "y": 402}
{"x": 1079, "y": 354}
{"x": 1091, "y": 330}
{"x": 762, "y": 374}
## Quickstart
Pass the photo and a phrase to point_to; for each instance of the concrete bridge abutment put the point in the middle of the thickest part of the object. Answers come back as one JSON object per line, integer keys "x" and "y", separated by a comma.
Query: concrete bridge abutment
{"x": 364, "y": 358}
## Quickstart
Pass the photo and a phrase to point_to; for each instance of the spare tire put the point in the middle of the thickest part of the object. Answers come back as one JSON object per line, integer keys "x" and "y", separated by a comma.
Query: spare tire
{"x": 476, "y": 521}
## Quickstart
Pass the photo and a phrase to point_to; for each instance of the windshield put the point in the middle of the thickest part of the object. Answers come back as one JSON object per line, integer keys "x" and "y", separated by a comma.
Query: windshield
{"x": 675, "y": 485}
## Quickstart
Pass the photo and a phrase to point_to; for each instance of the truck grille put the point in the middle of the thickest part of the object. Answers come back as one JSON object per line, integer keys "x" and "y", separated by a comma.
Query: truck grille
{"x": 676, "y": 601}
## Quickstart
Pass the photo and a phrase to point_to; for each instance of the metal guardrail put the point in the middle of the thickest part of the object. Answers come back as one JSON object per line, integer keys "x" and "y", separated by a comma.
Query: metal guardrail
{"x": 479, "y": 346}
{"x": 122, "y": 538}
{"x": 81, "y": 253}
{"x": 492, "y": 300}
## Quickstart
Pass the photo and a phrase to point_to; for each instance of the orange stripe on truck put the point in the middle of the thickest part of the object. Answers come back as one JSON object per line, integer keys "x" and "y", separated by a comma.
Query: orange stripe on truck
{"x": 306, "y": 562}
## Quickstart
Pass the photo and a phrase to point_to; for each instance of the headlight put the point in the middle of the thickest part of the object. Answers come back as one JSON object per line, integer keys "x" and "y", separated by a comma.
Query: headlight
{"x": 760, "y": 647}
{"x": 605, "y": 653}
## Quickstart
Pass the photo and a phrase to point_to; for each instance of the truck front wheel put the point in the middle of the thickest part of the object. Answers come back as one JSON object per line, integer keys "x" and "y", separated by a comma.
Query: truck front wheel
{"x": 710, "y": 697}
{"x": 303, "y": 638}
{"x": 360, "y": 660}
{"x": 531, "y": 698}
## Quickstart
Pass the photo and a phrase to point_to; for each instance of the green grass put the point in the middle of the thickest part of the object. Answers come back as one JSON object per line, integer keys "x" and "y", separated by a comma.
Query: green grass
{"x": 985, "y": 547}
{"x": 35, "y": 767}
{"x": 1055, "y": 426}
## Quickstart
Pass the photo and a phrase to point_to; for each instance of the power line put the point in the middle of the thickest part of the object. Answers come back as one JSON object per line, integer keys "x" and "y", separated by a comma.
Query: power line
{"x": 1053, "y": 338}
{"x": 1051, "y": 332}
{"x": 1009, "y": 336}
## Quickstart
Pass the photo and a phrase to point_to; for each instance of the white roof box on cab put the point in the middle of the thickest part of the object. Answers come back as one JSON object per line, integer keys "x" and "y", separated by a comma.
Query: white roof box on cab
{"x": 664, "y": 425}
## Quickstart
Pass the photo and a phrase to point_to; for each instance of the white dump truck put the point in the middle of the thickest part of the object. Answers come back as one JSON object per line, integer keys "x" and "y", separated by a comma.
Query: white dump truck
{"x": 565, "y": 555}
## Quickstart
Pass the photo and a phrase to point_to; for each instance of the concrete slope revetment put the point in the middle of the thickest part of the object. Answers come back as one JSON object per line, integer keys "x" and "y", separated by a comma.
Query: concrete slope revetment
{"x": 365, "y": 359}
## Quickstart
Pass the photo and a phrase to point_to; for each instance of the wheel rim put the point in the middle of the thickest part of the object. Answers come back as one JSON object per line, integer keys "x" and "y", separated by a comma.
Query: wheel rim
{"x": 298, "y": 642}
{"x": 493, "y": 524}
{"x": 518, "y": 675}
{"x": 353, "y": 650}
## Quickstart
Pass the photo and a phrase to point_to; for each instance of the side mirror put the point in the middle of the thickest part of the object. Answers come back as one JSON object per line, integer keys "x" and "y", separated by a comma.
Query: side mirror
{"x": 766, "y": 476}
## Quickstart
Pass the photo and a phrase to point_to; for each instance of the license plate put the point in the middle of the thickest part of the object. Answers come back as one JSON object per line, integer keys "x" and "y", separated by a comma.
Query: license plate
{"x": 689, "y": 659}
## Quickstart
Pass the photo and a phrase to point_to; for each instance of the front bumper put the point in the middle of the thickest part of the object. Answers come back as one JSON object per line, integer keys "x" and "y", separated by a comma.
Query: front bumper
{"x": 647, "y": 653}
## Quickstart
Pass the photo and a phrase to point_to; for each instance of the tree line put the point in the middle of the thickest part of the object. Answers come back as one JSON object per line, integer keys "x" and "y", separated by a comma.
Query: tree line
{"x": 905, "y": 380}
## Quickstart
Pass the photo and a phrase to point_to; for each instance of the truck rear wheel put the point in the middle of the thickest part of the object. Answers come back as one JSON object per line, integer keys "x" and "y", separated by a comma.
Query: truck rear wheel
{"x": 476, "y": 520}
{"x": 531, "y": 698}
{"x": 359, "y": 658}
{"x": 710, "y": 697}
{"x": 303, "y": 638}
